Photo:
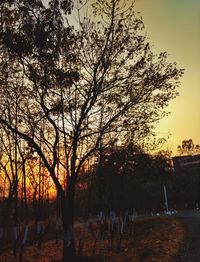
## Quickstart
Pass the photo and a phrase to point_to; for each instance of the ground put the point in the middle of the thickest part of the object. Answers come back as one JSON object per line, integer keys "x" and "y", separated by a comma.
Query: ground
{"x": 153, "y": 239}
{"x": 190, "y": 251}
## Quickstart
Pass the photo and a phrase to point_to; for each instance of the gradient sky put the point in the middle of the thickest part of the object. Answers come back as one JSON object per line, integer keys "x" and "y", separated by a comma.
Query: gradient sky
{"x": 174, "y": 26}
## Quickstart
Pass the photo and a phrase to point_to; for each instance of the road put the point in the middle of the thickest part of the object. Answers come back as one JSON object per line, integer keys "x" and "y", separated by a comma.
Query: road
{"x": 192, "y": 247}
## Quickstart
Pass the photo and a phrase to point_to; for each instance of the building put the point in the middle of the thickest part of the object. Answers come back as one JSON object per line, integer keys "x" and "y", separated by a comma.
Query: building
{"x": 186, "y": 162}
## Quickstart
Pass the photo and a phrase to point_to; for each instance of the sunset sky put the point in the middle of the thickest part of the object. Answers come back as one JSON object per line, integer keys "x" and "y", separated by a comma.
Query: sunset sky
{"x": 174, "y": 26}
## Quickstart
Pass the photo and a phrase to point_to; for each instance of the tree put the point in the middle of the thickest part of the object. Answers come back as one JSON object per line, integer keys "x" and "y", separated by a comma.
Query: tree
{"x": 188, "y": 147}
{"x": 131, "y": 179}
{"x": 81, "y": 87}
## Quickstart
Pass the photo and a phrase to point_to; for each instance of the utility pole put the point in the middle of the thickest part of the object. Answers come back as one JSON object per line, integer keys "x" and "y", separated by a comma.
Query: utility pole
{"x": 166, "y": 200}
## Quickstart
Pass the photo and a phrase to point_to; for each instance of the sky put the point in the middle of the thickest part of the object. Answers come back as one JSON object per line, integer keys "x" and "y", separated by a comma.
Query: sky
{"x": 174, "y": 26}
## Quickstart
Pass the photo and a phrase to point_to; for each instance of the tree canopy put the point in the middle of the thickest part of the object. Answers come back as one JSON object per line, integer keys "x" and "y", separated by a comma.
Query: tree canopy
{"x": 188, "y": 147}
{"x": 101, "y": 79}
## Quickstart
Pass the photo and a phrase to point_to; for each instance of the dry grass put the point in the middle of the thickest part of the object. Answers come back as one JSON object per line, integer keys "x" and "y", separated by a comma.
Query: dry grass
{"x": 154, "y": 239}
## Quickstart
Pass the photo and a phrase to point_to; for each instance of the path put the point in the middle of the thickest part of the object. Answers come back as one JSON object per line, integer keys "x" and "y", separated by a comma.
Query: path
{"x": 192, "y": 252}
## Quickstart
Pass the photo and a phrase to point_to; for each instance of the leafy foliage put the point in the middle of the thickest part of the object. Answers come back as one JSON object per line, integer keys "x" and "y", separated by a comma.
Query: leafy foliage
{"x": 188, "y": 147}
{"x": 129, "y": 178}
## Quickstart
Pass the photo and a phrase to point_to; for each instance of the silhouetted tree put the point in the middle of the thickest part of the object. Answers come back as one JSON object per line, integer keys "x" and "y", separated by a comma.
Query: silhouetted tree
{"x": 131, "y": 179}
{"x": 82, "y": 86}
{"x": 188, "y": 147}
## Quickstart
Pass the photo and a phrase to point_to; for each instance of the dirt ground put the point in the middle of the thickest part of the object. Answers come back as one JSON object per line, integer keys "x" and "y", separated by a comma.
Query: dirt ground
{"x": 156, "y": 239}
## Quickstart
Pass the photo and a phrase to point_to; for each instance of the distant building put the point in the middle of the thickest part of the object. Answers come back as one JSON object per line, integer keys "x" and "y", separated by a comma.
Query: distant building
{"x": 186, "y": 162}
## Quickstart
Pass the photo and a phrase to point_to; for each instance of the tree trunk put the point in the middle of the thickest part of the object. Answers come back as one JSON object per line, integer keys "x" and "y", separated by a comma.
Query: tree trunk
{"x": 69, "y": 250}
{"x": 67, "y": 208}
